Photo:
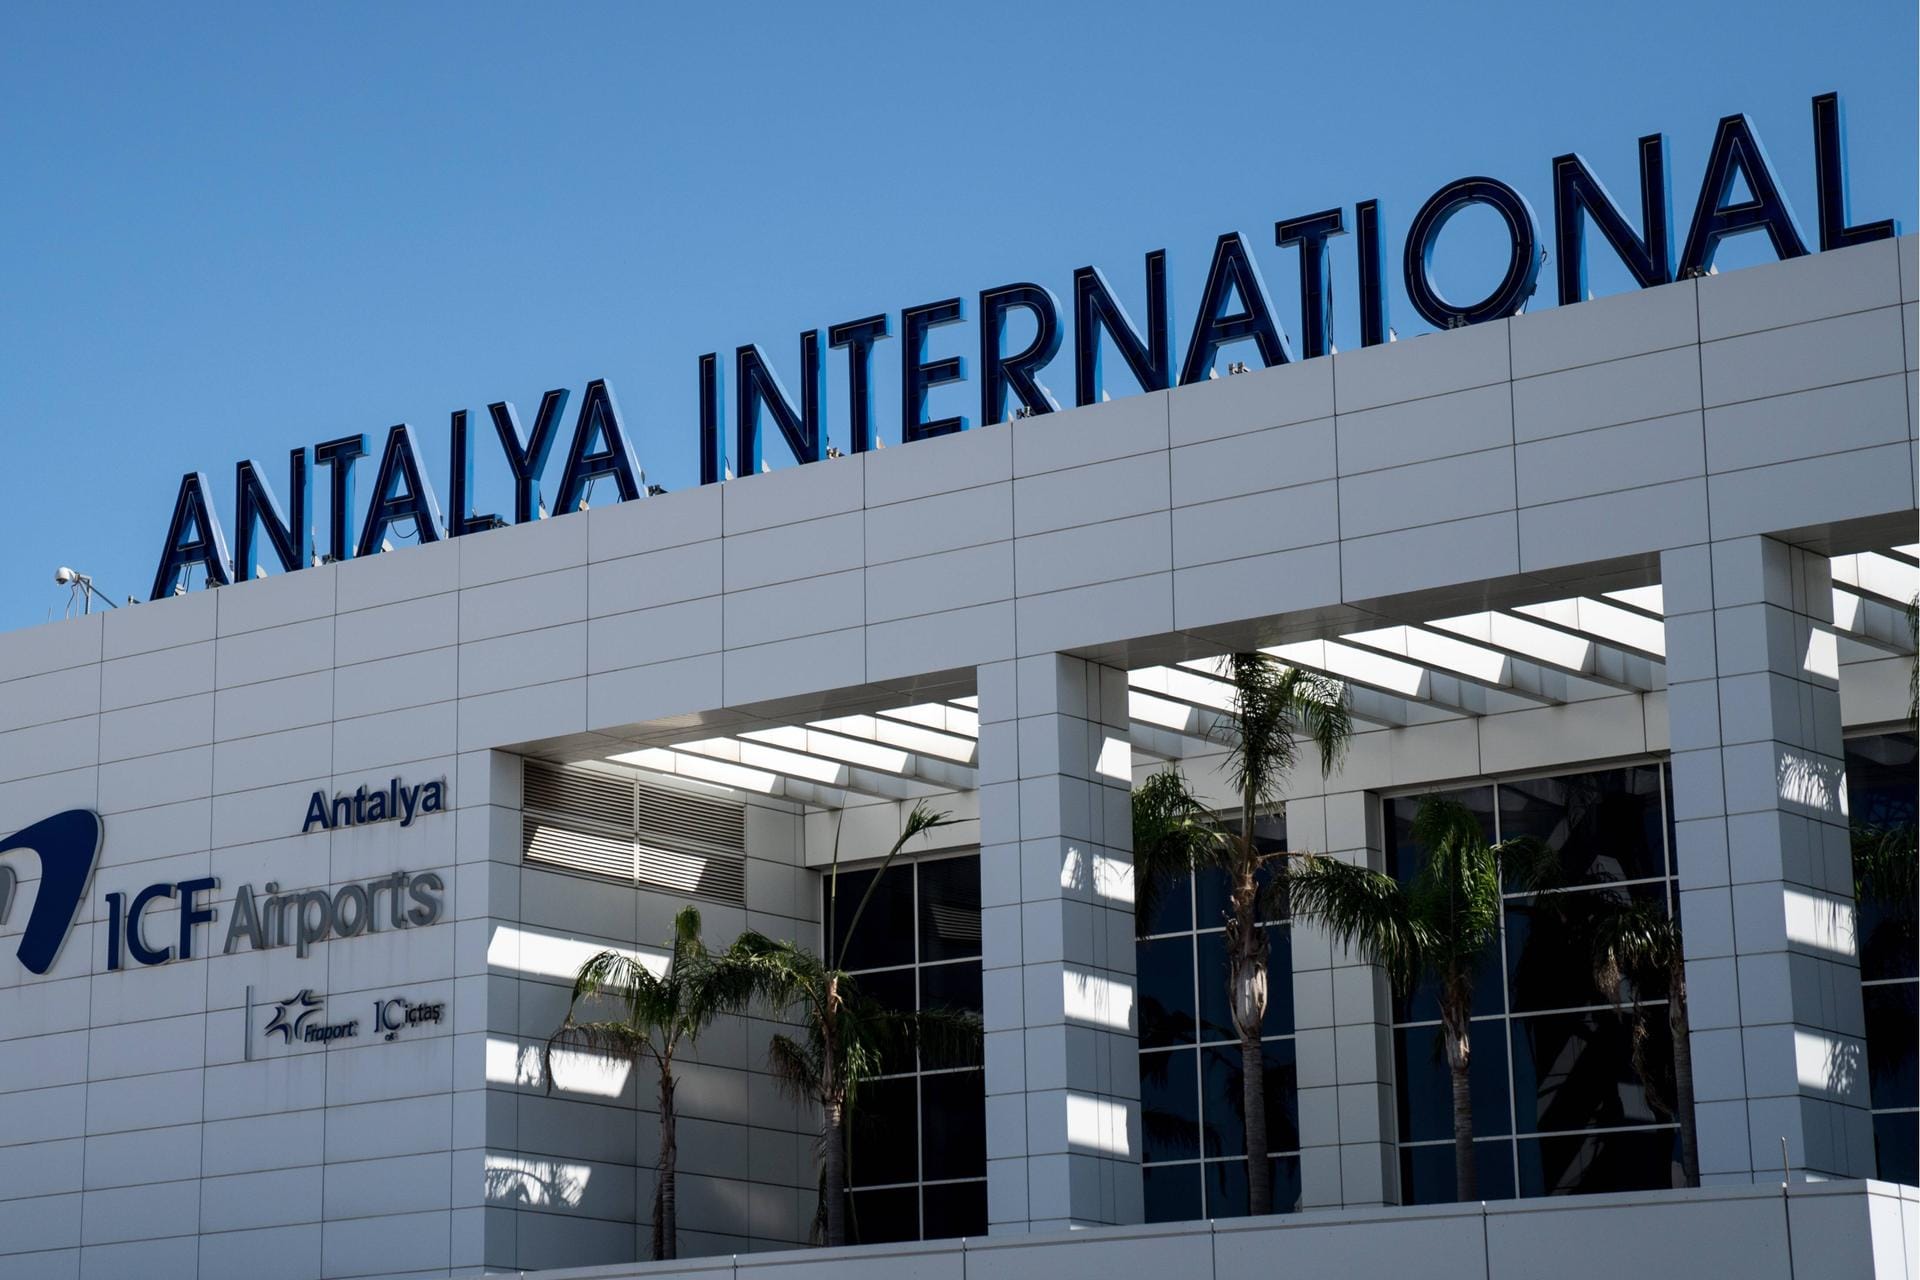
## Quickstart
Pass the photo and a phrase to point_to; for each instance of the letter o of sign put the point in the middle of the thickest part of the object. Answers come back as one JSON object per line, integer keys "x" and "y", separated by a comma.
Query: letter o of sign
{"x": 1523, "y": 262}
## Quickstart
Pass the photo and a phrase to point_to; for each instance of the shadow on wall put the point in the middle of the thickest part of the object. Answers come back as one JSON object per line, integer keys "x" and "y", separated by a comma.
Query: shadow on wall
{"x": 523, "y": 1181}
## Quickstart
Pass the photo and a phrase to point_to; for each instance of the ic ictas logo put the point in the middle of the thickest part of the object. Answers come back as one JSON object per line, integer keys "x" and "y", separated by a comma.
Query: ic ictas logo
{"x": 67, "y": 845}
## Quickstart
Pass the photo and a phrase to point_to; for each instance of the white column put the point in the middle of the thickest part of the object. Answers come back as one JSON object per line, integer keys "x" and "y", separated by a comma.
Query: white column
{"x": 1766, "y": 884}
{"x": 1343, "y": 1028}
{"x": 1056, "y": 880}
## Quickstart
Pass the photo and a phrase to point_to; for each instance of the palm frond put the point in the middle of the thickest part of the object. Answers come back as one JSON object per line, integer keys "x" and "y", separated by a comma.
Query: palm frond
{"x": 950, "y": 1037}
{"x": 921, "y": 820}
{"x": 1634, "y": 940}
{"x": 1529, "y": 864}
{"x": 795, "y": 1071}
{"x": 1173, "y": 833}
{"x": 1455, "y": 899}
{"x": 1360, "y": 908}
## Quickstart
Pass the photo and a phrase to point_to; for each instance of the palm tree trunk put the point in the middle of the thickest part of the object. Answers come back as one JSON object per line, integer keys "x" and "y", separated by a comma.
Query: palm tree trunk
{"x": 1454, "y": 1026}
{"x": 836, "y": 1169}
{"x": 1253, "y": 1097}
{"x": 666, "y": 1227}
{"x": 1683, "y": 1073}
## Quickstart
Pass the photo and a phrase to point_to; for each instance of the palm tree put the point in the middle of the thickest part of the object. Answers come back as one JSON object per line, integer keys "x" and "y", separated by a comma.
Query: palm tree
{"x": 1436, "y": 928}
{"x": 651, "y": 1016}
{"x": 1637, "y": 944}
{"x": 1275, "y": 709}
{"x": 848, "y": 1035}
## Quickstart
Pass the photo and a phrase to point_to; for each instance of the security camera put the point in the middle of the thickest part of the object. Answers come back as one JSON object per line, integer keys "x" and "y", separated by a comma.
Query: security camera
{"x": 64, "y": 575}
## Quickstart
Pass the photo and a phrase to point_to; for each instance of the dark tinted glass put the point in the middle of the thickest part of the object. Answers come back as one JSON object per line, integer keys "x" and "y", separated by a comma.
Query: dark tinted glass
{"x": 1893, "y": 1038}
{"x": 1426, "y": 1092}
{"x": 1170, "y": 1105}
{"x": 953, "y": 1125}
{"x": 1881, "y": 788}
{"x": 959, "y": 1209}
{"x": 1210, "y": 885}
{"x": 954, "y": 988}
{"x": 1427, "y": 1173}
{"x": 885, "y": 932}
{"x": 1576, "y": 1070}
{"x": 1165, "y": 978}
{"x": 1216, "y": 1016}
{"x": 1549, "y": 958}
{"x": 892, "y": 990}
{"x": 1605, "y": 826}
{"x": 1173, "y": 1193}
{"x": 949, "y": 908}
{"x": 1223, "y": 1114}
{"x": 1896, "y": 1144}
{"x": 1424, "y": 1004}
{"x": 883, "y": 1217}
{"x": 1171, "y": 909}
{"x": 1583, "y": 1163}
{"x": 1403, "y": 854}
{"x": 884, "y": 1148}
{"x": 1227, "y": 1186}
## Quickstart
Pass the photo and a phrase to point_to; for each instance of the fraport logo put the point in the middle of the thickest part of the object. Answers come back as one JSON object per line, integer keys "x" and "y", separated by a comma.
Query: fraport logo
{"x": 304, "y": 1008}
{"x": 67, "y": 844}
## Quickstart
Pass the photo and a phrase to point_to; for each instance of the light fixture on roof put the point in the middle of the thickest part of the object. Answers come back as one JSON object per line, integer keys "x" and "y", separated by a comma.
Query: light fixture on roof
{"x": 1238, "y": 366}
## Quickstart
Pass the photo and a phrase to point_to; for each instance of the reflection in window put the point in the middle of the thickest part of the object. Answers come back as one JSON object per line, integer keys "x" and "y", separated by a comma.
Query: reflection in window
{"x": 1881, "y": 803}
{"x": 916, "y": 1152}
{"x": 1558, "y": 1100}
{"x": 1191, "y": 1076}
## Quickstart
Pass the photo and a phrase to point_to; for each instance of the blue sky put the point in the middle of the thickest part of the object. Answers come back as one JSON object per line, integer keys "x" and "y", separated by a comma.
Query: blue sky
{"x": 232, "y": 230}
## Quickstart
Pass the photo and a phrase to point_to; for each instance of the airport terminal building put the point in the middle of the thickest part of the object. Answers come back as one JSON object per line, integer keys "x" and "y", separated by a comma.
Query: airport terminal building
{"x": 1630, "y": 576}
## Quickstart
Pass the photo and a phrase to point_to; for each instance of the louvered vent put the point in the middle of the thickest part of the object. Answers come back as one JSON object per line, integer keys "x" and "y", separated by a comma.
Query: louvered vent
{"x": 602, "y": 824}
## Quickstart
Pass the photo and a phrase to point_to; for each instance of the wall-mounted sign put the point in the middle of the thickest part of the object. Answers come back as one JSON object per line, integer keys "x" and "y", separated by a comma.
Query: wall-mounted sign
{"x": 303, "y": 1018}
{"x": 1234, "y": 307}
{"x": 397, "y": 802}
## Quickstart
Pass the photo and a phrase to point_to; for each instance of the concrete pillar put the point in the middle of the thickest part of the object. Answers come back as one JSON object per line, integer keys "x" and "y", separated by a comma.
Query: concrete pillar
{"x": 1343, "y": 1020}
{"x": 1056, "y": 881}
{"x": 1766, "y": 886}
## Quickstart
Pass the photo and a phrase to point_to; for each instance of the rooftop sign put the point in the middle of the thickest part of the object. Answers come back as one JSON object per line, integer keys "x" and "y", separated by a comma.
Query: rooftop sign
{"x": 1234, "y": 307}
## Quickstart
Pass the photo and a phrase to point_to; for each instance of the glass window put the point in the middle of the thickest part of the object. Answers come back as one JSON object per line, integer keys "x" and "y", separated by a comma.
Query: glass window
{"x": 1426, "y": 1081}
{"x": 1605, "y": 826}
{"x": 1191, "y": 1099}
{"x": 955, "y": 1209}
{"x": 1216, "y": 1015}
{"x": 1223, "y": 1099}
{"x": 1170, "y": 1105}
{"x": 953, "y": 1118}
{"x": 1426, "y": 1172}
{"x": 885, "y": 935}
{"x": 949, "y": 908}
{"x": 1896, "y": 1145}
{"x": 917, "y": 1135}
{"x": 1173, "y": 1192}
{"x": 1550, "y": 1054}
{"x": 885, "y": 1147}
{"x": 1600, "y": 1160}
{"x": 1165, "y": 978}
{"x": 1576, "y": 1070}
{"x": 1883, "y": 792}
{"x": 883, "y": 1217}
{"x": 1550, "y": 964}
{"x": 1227, "y": 1186}
{"x": 1893, "y": 1038}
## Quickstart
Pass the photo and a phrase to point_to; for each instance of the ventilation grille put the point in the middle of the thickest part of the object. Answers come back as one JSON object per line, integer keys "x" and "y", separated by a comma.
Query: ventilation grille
{"x": 603, "y": 825}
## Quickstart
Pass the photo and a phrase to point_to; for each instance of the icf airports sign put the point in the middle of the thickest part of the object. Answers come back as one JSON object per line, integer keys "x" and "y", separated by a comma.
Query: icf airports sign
{"x": 1234, "y": 307}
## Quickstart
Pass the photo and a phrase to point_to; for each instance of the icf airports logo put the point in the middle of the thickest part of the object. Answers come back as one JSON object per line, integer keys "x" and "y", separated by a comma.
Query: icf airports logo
{"x": 67, "y": 845}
